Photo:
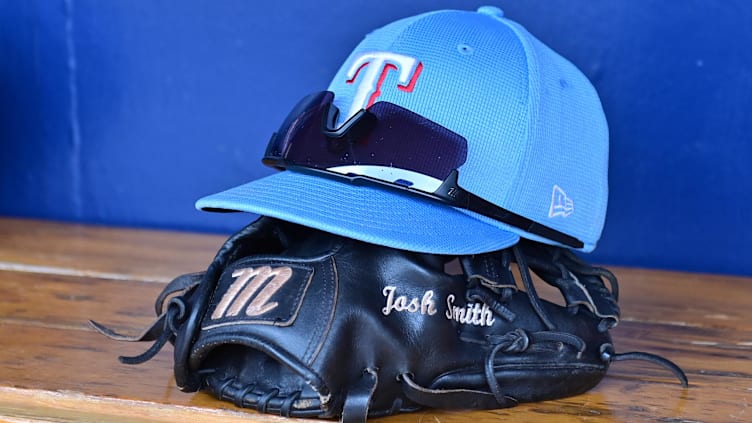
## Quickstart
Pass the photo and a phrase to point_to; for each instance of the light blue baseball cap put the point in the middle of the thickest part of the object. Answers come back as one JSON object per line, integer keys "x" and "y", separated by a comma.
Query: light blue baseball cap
{"x": 536, "y": 140}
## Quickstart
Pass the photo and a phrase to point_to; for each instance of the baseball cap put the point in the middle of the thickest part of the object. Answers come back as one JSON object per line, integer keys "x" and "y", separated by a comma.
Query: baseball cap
{"x": 522, "y": 127}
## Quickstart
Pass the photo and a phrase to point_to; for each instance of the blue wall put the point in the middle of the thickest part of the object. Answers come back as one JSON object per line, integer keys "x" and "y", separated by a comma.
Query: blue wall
{"x": 126, "y": 112}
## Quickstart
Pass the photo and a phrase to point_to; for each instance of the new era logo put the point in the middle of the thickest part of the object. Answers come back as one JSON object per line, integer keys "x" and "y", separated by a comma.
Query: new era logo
{"x": 561, "y": 205}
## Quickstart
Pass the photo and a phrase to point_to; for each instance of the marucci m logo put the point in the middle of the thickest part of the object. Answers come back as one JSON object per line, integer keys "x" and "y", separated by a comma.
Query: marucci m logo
{"x": 253, "y": 287}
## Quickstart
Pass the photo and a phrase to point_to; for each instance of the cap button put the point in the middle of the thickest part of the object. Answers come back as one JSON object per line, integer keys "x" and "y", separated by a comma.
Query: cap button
{"x": 492, "y": 11}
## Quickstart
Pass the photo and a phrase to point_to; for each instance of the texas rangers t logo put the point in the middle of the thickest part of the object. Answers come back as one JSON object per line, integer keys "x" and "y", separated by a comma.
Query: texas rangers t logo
{"x": 369, "y": 70}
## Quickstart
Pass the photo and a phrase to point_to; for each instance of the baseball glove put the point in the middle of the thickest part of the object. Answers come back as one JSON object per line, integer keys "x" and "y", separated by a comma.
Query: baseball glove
{"x": 297, "y": 322}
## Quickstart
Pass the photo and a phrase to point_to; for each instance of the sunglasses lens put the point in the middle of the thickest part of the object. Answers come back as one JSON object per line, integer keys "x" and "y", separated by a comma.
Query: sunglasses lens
{"x": 387, "y": 137}
{"x": 300, "y": 137}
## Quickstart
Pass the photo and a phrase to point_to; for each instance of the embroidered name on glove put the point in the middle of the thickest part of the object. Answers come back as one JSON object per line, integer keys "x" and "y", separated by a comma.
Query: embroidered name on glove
{"x": 474, "y": 314}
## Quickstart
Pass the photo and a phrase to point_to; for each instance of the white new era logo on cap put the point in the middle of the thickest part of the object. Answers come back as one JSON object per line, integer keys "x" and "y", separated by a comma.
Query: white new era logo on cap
{"x": 561, "y": 205}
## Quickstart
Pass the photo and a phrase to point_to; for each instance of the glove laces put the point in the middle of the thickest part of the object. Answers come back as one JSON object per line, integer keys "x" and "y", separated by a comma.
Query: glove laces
{"x": 608, "y": 355}
{"x": 565, "y": 264}
{"x": 518, "y": 341}
{"x": 173, "y": 317}
{"x": 164, "y": 328}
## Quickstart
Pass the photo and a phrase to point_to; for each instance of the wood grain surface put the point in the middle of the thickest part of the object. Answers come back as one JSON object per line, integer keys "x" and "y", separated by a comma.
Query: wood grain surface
{"x": 54, "y": 277}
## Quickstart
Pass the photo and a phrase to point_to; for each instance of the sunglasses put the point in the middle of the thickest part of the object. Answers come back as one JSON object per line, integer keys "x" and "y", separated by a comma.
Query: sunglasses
{"x": 391, "y": 146}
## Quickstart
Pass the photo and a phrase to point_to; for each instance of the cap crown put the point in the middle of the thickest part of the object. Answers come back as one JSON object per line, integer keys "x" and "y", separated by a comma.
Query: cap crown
{"x": 537, "y": 136}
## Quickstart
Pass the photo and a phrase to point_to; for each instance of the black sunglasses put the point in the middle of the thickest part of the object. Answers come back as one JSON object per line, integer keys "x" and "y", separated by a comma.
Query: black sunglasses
{"x": 391, "y": 146}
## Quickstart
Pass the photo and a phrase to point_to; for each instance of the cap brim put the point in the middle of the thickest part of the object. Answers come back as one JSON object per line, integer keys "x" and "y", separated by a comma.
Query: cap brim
{"x": 363, "y": 212}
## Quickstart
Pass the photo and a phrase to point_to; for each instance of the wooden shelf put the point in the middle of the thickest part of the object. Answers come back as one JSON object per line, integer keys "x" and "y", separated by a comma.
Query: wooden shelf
{"x": 54, "y": 277}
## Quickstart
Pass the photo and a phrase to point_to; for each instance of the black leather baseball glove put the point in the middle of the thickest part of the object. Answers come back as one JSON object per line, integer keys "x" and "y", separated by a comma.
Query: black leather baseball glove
{"x": 297, "y": 322}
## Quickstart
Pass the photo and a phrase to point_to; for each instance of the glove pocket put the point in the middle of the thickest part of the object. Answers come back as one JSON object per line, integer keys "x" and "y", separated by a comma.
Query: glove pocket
{"x": 266, "y": 322}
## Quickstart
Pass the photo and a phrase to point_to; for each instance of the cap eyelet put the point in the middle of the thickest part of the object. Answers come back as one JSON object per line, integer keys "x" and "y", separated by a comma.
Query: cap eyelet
{"x": 465, "y": 49}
